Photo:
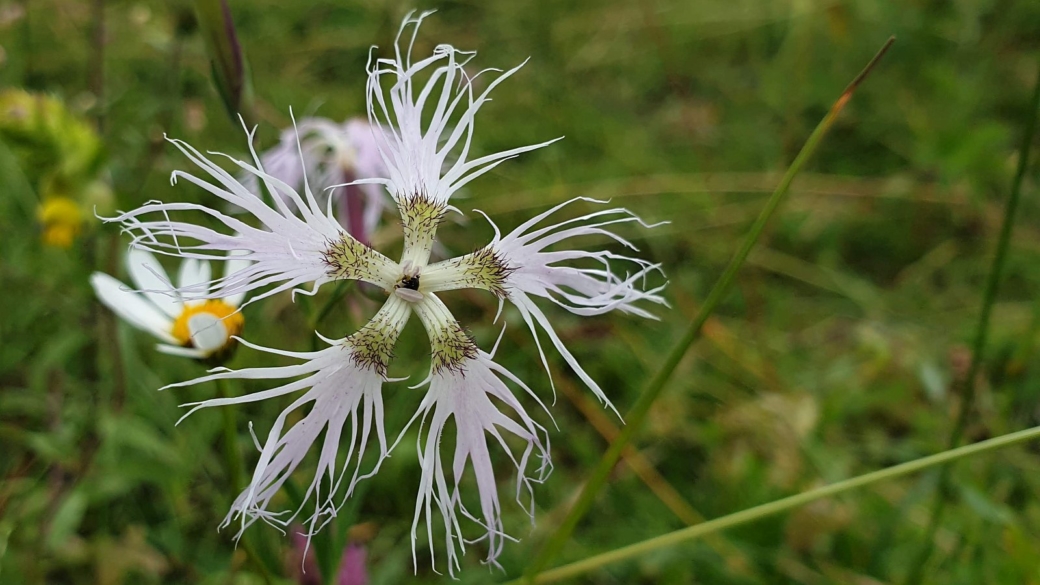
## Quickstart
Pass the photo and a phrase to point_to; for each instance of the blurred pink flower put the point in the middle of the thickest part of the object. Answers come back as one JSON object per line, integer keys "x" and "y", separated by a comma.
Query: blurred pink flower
{"x": 333, "y": 156}
{"x": 304, "y": 570}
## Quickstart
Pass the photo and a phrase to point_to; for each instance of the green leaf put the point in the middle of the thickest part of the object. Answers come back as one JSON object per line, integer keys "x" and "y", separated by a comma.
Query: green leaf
{"x": 985, "y": 506}
{"x": 67, "y": 519}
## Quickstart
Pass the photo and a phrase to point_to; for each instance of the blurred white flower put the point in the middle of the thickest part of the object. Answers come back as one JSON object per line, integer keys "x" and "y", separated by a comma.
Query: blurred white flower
{"x": 200, "y": 329}
{"x": 427, "y": 119}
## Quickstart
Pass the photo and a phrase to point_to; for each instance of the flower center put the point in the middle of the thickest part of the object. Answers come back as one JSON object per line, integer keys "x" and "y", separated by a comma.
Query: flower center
{"x": 408, "y": 287}
{"x": 234, "y": 322}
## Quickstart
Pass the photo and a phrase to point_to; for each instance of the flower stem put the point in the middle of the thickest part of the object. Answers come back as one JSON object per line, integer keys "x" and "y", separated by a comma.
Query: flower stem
{"x": 233, "y": 461}
{"x": 326, "y": 553}
{"x": 232, "y": 456}
{"x": 316, "y": 317}
{"x": 778, "y": 506}
{"x": 637, "y": 415}
{"x": 989, "y": 297}
{"x": 342, "y": 287}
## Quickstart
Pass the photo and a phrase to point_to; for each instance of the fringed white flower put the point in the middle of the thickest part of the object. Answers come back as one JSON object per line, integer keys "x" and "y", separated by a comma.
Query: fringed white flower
{"x": 343, "y": 384}
{"x": 202, "y": 330}
{"x": 334, "y": 156}
{"x": 462, "y": 382}
{"x": 427, "y": 115}
{"x": 520, "y": 266}
{"x": 297, "y": 242}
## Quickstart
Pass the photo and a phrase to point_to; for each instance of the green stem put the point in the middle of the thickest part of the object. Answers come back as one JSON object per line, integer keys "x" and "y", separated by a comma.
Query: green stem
{"x": 637, "y": 415}
{"x": 342, "y": 286}
{"x": 777, "y": 507}
{"x": 235, "y": 468}
{"x": 989, "y": 297}
{"x": 326, "y": 553}
{"x": 232, "y": 456}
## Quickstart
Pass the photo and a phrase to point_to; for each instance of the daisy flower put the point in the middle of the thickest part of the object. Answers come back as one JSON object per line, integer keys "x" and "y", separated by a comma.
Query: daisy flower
{"x": 200, "y": 329}
{"x": 426, "y": 110}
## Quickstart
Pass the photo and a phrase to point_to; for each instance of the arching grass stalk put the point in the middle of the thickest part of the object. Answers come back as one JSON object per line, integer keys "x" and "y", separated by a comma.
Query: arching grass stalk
{"x": 989, "y": 297}
{"x": 635, "y": 418}
{"x": 777, "y": 507}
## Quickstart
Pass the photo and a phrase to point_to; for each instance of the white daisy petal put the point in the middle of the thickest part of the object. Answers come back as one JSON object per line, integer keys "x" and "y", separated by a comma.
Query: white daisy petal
{"x": 180, "y": 351}
{"x": 236, "y": 263}
{"x": 132, "y": 307}
{"x": 193, "y": 273}
{"x": 151, "y": 279}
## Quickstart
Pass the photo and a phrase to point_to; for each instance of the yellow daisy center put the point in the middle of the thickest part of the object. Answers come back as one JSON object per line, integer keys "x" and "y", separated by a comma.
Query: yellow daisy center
{"x": 221, "y": 310}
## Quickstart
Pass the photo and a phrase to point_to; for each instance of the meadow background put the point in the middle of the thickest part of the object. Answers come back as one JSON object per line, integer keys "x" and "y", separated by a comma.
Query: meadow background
{"x": 838, "y": 351}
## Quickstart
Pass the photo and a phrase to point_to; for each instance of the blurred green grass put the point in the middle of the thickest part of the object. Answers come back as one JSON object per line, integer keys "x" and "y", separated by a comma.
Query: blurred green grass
{"x": 834, "y": 355}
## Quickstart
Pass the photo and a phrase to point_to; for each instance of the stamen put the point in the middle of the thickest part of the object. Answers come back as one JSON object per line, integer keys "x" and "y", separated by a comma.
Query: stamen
{"x": 407, "y": 294}
{"x": 408, "y": 287}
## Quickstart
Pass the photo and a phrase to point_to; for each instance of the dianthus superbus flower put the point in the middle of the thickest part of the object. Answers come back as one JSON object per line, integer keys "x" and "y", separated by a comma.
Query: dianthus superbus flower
{"x": 427, "y": 116}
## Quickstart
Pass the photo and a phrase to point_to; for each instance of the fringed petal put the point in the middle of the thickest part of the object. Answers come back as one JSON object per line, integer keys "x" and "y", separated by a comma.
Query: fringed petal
{"x": 463, "y": 397}
{"x": 343, "y": 385}
{"x": 296, "y": 242}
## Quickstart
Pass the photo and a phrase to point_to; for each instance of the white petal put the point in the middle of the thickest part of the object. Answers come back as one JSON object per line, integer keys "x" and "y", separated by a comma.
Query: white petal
{"x": 465, "y": 398}
{"x": 177, "y": 350}
{"x": 345, "y": 408}
{"x": 131, "y": 307}
{"x": 288, "y": 248}
{"x": 149, "y": 275}
{"x": 193, "y": 273}
{"x": 208, "y": 332}
{"x": 427, "y": 133}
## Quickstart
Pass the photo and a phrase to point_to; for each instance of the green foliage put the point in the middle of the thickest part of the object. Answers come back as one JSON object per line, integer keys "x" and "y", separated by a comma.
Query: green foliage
{"x": 834, "y": 355}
